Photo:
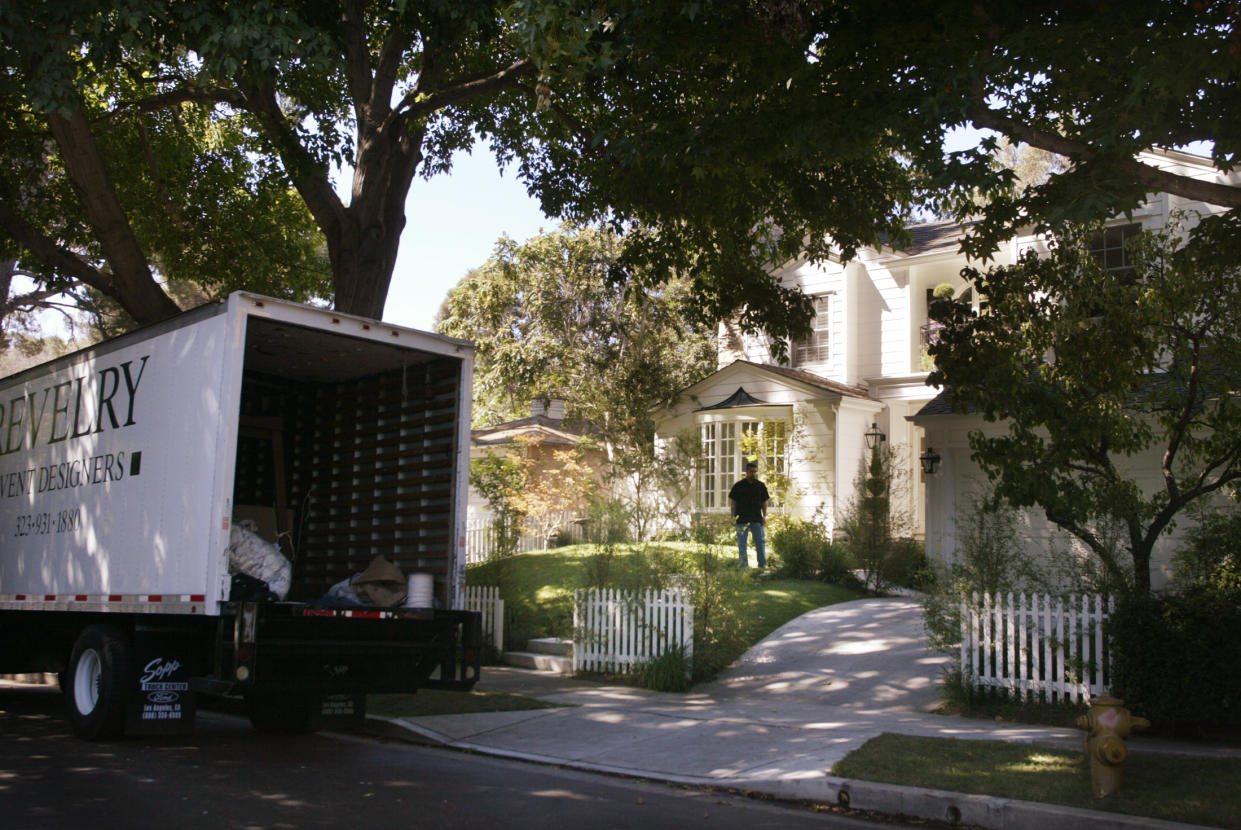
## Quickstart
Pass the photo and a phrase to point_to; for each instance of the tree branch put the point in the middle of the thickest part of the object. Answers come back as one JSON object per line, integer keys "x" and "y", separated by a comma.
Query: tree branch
{"x": 415, "y": 105}
{"x": 132, "y": 283}
{"x": 182, "y": 95}
{"x": 315, "y": 190}
{"x": 1154, "y": 179}
{"x": 357, "y": 60}
{"x": 63, "y": 261}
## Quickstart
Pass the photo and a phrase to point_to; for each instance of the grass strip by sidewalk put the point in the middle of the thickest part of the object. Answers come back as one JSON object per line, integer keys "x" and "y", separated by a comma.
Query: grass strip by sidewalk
{"x": 1156, "y": 785}
{"x": 438, "y": 702}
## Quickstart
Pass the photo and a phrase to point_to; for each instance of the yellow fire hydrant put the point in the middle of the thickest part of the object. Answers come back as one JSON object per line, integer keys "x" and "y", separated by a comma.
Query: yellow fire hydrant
{"x": 1107, "y": 724}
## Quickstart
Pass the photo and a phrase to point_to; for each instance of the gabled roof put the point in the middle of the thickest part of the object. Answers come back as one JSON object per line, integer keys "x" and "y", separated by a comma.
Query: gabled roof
{"x": 548, "y": 430}
{"x": 809, "y": 378}
{"x": 779, "y": 373}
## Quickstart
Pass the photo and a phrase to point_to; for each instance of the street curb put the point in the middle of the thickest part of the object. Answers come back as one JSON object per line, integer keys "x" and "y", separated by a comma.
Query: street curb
{"x": 983, "y": 811}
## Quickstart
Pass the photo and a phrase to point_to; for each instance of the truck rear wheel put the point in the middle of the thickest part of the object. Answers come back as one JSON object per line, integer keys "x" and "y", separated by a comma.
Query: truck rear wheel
{"x": 99, "y": 679}
{"x": 281, "y": 713}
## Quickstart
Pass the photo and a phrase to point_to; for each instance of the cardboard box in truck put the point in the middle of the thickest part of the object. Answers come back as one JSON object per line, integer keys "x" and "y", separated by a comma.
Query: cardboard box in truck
{"x": 329, "y": 446}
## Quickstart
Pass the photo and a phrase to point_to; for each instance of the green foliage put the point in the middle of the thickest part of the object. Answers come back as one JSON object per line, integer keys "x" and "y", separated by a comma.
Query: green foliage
{"x": 806, "y": 551}
{"x": 989, "y": 559}
{"x": 1210, "y": 553}
{"x": 1157, "y": 785}
{"x": 878, "y": 536}
{"x": 906, "y": 563}
{"x": 736, "y": 611}
{"x": 1143, "y": 365}
{"x": 1177, "y": 659}
{"x": 719, "y": 588}
{"x": 689, "y": 89}
{"x": 713, "y": 529}
{"x": 669, "y": 672}
{"x": 496, "y": 478}
{"x": 800, "y": 544}
{"x": 548, "y": 320}
{"x": 608, "y": 521}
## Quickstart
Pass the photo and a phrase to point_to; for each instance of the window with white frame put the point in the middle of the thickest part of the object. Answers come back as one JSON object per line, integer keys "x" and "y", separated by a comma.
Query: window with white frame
{"x": 728, "y": 444}
{"x": 814, "y": 349}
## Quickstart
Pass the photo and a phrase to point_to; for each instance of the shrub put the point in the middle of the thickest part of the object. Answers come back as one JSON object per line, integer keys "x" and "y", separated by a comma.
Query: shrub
{"x": 801, "y": 546}
{"x": 669, "y": 672}
{"x": 1177, "y": 659}
{"x": 904, "y": 563}
{"x": 807, "y": 552}
{"x": 718, "y": 591}
{"x": 713, "y": 529}
{"x": 837, "y": 566}
{"x": 608, "y": 522}
{"x": 1211, "y": 552}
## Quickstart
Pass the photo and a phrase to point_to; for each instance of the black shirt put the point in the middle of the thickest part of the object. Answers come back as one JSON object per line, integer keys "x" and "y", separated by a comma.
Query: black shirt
{"x": 750, "y": 497}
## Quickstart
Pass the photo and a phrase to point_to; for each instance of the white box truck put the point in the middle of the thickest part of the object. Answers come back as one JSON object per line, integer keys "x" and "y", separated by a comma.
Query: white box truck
{"x": 126, "y": 467}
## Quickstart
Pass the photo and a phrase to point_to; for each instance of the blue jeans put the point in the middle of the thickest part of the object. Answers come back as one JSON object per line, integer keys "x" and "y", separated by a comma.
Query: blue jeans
{"x": 760, "y": 542}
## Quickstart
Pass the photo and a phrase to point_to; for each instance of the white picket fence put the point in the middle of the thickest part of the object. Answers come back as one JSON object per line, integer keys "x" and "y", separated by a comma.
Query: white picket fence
{"x": 480, "y": 538}
{"x": 486, "y": 600}
{"x": 480, "y": 541}
{"x": 1036, "y": 645}
{"x": 617, "y": 631}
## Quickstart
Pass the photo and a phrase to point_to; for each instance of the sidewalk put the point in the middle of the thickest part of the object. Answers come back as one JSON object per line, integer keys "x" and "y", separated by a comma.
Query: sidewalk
{"x": 774, "y": 724}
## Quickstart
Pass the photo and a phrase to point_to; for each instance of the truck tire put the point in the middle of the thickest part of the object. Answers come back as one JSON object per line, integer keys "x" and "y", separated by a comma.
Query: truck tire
{"x": 281, "y": 713}
{"x": 98, "y": 682}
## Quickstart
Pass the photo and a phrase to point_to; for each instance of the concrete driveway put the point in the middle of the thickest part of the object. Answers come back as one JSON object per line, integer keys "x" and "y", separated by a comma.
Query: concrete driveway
{"x": 869, "y": 655}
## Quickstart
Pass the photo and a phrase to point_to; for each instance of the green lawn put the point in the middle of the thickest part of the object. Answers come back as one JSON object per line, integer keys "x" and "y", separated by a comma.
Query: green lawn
{"x": 1156, "y": 785}
{"x": 539, "y": 592}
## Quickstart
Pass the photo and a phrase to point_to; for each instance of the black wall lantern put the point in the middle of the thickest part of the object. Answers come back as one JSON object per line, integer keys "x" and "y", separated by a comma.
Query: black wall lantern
{"x": 874, "y": 437}
{"x": 930, "y": 461}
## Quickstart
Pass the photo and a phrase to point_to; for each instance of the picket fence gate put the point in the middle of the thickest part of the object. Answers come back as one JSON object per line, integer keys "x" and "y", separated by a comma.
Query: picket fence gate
{"x": 618, "y": 631}
{"x": 1036, "y": 645}
{"x": 486, "y": 600}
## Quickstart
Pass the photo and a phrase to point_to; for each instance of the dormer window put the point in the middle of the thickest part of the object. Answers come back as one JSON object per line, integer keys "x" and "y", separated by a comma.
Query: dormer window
{"x": 814, "y": 349}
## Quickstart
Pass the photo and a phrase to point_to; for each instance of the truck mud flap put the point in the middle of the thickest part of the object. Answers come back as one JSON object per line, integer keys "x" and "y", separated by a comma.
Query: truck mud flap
{"x": 162, "y": 702}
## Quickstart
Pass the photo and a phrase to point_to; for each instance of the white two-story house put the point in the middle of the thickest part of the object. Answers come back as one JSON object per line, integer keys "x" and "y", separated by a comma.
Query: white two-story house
{"x": 861, "y": 376}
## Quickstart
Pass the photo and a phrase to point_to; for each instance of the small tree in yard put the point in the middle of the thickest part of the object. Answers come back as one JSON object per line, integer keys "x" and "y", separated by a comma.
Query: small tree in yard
{"x": 550, "y": 490}
{"x": 496, "y": 478}
{"x": 879, "y": 534}
{"x": 1091, "y": 371}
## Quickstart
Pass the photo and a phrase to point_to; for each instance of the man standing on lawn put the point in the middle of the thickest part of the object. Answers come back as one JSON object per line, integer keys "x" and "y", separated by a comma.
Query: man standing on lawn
{"x": 748, "y": 500}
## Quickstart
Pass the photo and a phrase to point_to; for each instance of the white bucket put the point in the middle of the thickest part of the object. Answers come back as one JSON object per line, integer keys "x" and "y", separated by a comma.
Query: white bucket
{"x": 420, "y": 591}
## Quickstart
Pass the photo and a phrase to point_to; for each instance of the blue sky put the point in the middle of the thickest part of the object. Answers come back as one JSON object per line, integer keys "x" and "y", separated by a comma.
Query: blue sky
{"x": 452, "y": 224}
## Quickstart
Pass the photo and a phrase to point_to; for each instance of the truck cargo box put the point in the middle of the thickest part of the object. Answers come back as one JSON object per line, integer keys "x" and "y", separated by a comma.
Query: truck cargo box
{"x": 125, "y": 466}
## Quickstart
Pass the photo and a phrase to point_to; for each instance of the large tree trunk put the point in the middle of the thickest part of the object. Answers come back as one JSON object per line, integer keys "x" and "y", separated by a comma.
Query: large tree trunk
{"x": 364, "y": 253}
{"x": 130, "y": 283}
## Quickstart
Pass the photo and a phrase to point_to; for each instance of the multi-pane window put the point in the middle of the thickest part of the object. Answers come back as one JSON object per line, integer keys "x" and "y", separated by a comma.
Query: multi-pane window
{"x": 727, "y": 445}
{"x": 1108, "y": 247}
{"x": 814, "y": 349}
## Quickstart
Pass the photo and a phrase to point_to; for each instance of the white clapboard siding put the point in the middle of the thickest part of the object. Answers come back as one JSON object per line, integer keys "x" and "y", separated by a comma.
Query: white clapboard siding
{"x": 616, "y": 631}
{"x": 486, "y": 600}
{"x": 1036, "y": 645}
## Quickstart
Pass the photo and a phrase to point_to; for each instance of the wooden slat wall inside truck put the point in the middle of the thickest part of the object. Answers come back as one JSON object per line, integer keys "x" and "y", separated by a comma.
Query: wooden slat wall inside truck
{"x": 369, "y": 470}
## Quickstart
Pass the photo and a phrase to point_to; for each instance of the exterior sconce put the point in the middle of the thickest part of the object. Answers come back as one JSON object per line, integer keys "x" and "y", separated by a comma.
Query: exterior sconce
{"x": 874, "y": 437}
{"x": 930, "y": 461}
